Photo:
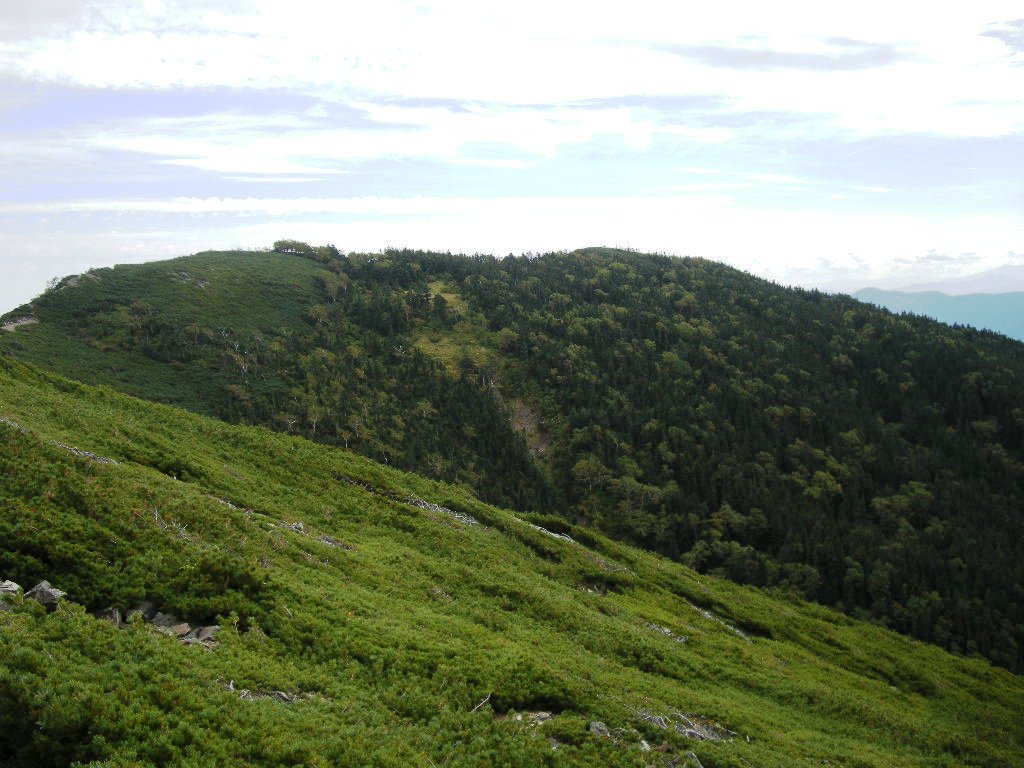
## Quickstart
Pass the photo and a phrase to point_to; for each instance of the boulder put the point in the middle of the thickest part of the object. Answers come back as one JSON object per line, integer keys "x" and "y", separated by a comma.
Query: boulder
{"x": 46, "y": 595}
{"x": 165, "y": 620}
{"x": 111, "y": 614}
{"x": 208, "y": 633}
{"x": 145, "y": 609}
{"x": 599, "y": 729}
{"x": 5, "y": 606}
{"x": 9, "y": 588}
{"x": 202, "y": 636}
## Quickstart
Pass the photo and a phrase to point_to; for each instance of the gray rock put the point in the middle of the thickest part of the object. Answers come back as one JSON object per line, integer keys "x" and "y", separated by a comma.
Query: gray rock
{"x": 599, "y": 729}
{"x": 111, "y": 614}
{"x": 5, "y": 606}
{"x": 9, "y": 588}
{"x": 165, "y": 620}
{"x": 202, "y": 635}
{"x": 46, "y": 595}
{"x": 177, "y": 630}
{"x": 208, "y": 633}
{"x": 145, "y": 609}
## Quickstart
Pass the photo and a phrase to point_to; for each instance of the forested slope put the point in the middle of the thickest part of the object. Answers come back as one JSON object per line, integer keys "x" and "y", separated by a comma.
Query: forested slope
{"x": 778, "y": 437}
{"x": 371, "y": 617}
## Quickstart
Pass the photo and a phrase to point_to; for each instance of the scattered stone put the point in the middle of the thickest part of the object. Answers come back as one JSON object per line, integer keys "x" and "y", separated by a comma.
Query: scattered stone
{"x": 712, "y": 617}
{"x": 331, "y": 542}
{"x": 460, "y": 516}
{"x": 204, "y": 636}
{"x": 10, "y": 588}
{"x": 599, "y": 729}
{"x": 145, "y": 609}
{"x": 532, "y": 718}
{"x": 436, "y": 591}
{"x": 685, "y": 724}
{"x": 84, "y": 454}
{"x": 667, "y": 632}
{"x": 167, "y": 623}
{"x": 644, "y": 746}
{"x": 208, "y": 633}
{"x": 165, "y": 620}
{"x": 5, "y": 606}
{"x": 561, "y": 536}
{"x": 111, "y": 614}
{"x": 281, "y": 696}
{"x": 46, "y": 595}
{"x": 178, "y": 630}
{"x": 13, "y": 424}
{"x": 606, "y": 565}
{"x": 300, "y": 528}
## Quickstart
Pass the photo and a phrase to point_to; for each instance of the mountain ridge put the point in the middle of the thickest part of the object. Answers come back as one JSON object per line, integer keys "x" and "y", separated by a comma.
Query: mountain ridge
{"x": 1008, "y": 278}
{"x": 781, "y": 438}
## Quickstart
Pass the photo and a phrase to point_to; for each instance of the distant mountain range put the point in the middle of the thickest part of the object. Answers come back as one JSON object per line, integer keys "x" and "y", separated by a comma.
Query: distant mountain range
{"x": 1006, "y": 279}
{"x": 992, "y": 300}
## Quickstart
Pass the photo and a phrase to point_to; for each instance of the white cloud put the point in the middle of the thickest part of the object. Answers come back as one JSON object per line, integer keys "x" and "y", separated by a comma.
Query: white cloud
{"x": 948, "y": 79}
{"x": 281, "y": 144}
{"x": 705, "y": 225}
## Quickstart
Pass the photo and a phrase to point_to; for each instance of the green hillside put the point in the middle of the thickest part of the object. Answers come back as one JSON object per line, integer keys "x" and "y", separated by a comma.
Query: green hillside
{"x": 236, "y": 335}
{"x": 781, "y": 438}
{"x": 371, "y": 617}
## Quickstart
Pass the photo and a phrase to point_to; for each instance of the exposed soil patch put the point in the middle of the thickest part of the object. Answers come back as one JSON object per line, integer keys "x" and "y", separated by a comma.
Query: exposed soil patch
{"x": 527, "y": 421}
{"x": 17, "y": 323}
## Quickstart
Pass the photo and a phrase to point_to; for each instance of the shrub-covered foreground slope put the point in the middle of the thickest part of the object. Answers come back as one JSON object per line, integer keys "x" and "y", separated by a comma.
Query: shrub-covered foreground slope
{"x": 401, "y": 631}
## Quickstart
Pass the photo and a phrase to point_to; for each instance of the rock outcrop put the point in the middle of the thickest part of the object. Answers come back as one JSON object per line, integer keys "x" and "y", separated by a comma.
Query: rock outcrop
{"x": 9, "y": 589}
{"x": 46, "y": 595}
{"x": 167, "y": 623}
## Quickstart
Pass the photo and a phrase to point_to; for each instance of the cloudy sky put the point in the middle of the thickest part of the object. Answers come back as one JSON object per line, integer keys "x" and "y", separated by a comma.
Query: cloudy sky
{"x": 813, "y": 143}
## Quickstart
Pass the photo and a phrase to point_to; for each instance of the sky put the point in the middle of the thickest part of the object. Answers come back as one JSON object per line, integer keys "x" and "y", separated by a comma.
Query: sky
{"x": 816, "y": 144}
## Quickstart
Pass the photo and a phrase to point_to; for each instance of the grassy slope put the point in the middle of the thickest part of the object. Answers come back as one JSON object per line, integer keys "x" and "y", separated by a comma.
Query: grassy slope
{"x": 201, "y": 290}
{"x": 399, "y": 638}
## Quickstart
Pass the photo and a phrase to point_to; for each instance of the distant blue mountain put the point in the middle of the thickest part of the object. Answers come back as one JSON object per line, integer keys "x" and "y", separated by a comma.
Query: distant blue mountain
{"x": 1001, "y": 312}
{"x": 1008, "y": 278}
